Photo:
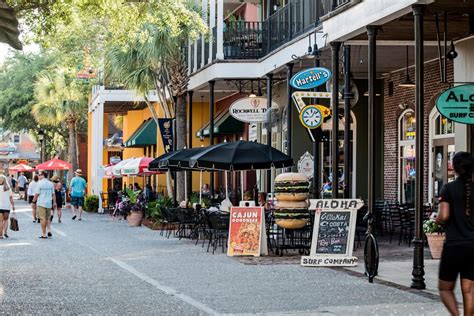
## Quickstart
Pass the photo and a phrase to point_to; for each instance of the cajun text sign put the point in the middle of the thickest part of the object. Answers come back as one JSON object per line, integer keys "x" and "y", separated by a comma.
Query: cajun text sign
{"x": 333, "y": 233}
{"x": 247, "y": 232}
{"x": 310, "y": 78}
{"x": 457, "y": 104}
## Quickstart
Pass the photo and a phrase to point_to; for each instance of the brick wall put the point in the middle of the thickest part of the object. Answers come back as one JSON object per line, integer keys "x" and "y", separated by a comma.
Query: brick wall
{"x": 392, "y": 113}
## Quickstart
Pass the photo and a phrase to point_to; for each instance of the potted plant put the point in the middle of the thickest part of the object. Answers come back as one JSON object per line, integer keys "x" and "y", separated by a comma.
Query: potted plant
{"x": 135, "y": 217}
{"x": 91, "y": 203}
{"x": 435, "y": 235}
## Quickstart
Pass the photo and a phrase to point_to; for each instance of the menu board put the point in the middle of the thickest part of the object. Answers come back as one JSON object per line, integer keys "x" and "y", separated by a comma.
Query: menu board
{"x": 246, "y": 232}
{"x": 333, "y": 232}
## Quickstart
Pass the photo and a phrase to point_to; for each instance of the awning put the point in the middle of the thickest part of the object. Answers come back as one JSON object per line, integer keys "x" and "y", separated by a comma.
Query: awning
{"x": 144, "y": 136}
{"x": 224, "y": 123}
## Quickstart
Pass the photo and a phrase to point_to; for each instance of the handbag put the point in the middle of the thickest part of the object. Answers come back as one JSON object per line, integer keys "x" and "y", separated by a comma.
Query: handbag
{"x": 14, "y": 223}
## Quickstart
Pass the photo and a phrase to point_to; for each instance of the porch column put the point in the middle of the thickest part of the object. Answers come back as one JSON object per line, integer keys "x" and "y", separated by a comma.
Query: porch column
{"x": 212, "y": 24}
{"x": 335, "y": 47}
{"x": 203, "y": 40}
{"x": 372, "y": 60}
{"x": 269, "y": 125}
{"x": 289, "y": 89}
{"x": 99, "y": 152}
{"x": 212, "y": 84}
{"x": 195, "y": 53}
{"x": 418, "y": 280}
{"x": 189, "y": 179}
{"x": 190, "y": 52}
{"x": 220, "y": 29}
{"x": 347, "y": 120}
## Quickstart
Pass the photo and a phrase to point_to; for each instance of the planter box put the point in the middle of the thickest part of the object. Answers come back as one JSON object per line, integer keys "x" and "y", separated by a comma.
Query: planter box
{"x": 135, "y": 219}
{"x": 435, "y": 242}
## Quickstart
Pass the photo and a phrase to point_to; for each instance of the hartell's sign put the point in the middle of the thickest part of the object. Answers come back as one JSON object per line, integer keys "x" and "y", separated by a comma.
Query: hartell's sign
{"x": 310, "y": 78}
{"x": 457, "y": 104}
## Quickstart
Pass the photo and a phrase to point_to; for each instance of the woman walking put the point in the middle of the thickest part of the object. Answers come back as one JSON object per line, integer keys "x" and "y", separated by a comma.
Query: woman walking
{"x": 31, "y": 195}
{"x": 58, "y": 191}
{"x": 6, "y": 203}
{"x": 456, "y": 212}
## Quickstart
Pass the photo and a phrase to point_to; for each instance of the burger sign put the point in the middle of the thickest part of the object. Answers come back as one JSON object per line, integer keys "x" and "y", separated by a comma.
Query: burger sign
{"x": 250, "y": 110}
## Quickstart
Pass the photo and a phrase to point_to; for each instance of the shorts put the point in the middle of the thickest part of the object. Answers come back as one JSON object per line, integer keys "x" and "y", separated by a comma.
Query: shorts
{"x": 21, "y": 189}
{"x": 43, "y": 213}
{"x": 457, "y": 258}
{"x": 4, "y": 211}
{"x": 77, "y": 201}
{"x": 30, "y": 199}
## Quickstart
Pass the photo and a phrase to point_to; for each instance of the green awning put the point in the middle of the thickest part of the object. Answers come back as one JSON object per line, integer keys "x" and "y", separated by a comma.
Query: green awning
{"x": 224, "y": 123}
{"x": 144, "y": 136}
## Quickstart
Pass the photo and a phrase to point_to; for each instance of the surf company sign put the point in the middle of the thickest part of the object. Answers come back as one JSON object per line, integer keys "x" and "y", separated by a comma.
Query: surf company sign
{"x": 457, "y": 104}
{"x": 333, "y": 233}
{"x": 310, "y": 78}
{"x": 250, "y": 110}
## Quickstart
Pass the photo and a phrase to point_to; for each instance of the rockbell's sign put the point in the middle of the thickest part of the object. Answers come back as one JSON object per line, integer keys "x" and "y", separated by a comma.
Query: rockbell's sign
{"x": 250, "y": 110}
{"x": 457, "y": 104}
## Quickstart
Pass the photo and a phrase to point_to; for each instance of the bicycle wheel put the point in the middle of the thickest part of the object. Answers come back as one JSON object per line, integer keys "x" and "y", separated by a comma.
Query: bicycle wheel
{"x": 371, "y": 257}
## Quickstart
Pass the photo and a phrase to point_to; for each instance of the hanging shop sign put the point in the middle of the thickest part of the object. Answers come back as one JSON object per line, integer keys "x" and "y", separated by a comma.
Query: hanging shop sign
{"x": 311, "y": 116}
{"x": 247, "y": 234}
{"x": 310, "y": 78}
{"x": 333, "y": 233}
{"x": 457, "y": 104}
{"x": 115, "y": 160}
{"x": 250, "y": 110}
{"x": 166, "y": 131}
{"x": 306, "y": 165}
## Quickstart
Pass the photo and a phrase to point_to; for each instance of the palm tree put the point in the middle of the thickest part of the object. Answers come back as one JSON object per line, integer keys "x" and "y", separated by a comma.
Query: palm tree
{"x": 60, "y": 100}
{"x": 157, "y": 63}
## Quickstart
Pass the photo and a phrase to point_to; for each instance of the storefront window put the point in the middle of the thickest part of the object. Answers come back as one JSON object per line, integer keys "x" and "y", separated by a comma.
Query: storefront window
{"x": 443, "y": 126}
{"x": 407, "y": 152}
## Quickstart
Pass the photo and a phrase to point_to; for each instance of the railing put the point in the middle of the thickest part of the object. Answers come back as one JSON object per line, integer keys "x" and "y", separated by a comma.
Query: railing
{"x": 254, "y": 40}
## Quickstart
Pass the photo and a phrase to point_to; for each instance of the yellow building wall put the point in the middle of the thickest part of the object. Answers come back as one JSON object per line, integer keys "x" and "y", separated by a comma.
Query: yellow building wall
{"x": 200, "y": 118}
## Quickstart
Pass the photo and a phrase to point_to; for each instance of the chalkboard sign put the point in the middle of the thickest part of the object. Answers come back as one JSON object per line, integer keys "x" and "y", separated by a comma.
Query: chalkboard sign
{"x": 333, "y": 232}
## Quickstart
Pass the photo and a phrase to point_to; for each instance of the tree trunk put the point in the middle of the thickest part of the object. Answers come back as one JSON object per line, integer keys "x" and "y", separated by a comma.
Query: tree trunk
{"x": 72, "y": 147}
{"x": 180, "y": 142}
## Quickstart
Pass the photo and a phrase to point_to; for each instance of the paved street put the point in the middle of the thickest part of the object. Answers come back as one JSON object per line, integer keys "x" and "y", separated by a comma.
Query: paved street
{"x": 101, "y": 266}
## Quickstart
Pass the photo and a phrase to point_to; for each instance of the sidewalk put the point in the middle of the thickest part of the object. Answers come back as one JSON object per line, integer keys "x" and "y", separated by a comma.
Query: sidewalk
{"x": 396, "y": 264}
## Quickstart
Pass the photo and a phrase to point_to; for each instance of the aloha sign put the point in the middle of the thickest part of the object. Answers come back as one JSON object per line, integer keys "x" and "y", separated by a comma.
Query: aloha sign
{"x": 457, "y": 104}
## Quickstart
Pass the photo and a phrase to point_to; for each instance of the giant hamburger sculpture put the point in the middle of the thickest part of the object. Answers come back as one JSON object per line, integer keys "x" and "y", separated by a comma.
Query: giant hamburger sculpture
{"x": 291, "y": 192}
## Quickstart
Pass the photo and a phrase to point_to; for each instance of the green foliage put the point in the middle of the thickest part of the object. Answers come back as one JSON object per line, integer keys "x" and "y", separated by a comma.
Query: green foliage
{"x": 132, "y": 195}
{"x": 194, "y": 198}
{"x": 154, "y": 210}
{"x": 91, "y": 203}
{"x": 430, "y": 227}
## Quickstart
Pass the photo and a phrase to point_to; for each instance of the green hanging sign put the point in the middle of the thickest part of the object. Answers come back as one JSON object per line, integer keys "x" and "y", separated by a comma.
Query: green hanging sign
{"x": 457, "y": 104}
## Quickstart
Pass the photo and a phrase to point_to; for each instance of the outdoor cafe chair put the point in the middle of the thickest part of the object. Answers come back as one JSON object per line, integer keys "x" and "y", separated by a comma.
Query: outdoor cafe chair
{"x": 220, "y": 230}
{"x": 187, "y": 221}
{"x": 170, "y": 221}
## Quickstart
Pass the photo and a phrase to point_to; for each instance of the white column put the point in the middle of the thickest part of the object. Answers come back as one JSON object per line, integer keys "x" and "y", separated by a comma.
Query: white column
{"x": 93, "y": 150}
{"x": 212, "y": 24}
{"x": 203, "y": 40}
{"x": 195, "y": 52}
{"x": 220, "y": 29}
{"x": 100, "y": 144}
{"x": 189, "y": 57}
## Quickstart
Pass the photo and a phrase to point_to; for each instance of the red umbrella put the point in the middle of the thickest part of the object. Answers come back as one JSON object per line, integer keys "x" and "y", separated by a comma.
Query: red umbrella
{"x": 21, "y": 168}
{"x": 54, "y": 164}
{"x": 138, "y": 166}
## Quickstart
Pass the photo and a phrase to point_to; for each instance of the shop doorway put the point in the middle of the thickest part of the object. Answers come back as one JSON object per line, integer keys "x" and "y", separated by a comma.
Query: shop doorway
{"x": 442, "y": 150}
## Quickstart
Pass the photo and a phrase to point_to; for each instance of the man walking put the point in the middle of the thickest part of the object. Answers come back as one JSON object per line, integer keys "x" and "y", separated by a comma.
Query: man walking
{"x": 77, "y": 189}
{"x": 45, "y": 200}
{"x": 22, "y": 185}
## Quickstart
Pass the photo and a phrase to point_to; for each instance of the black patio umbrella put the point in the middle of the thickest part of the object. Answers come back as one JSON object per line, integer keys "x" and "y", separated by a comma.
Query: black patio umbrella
{"x": 239, "y": 155}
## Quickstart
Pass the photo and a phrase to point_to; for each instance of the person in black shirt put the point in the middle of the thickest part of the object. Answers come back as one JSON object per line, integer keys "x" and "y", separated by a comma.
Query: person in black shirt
{"x": 456, "y": 210}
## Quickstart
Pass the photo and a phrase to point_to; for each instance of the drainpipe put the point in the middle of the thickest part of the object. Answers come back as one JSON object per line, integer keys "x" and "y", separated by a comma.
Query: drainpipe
{"x": 347, "y": 119}
{"x": 335, "y": 47}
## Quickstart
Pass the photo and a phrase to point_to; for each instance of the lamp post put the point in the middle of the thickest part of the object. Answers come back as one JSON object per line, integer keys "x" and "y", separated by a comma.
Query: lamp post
{"x": 41, "y": 139}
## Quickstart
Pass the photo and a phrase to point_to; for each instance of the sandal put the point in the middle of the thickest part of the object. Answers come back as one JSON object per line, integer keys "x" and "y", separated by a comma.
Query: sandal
{"x": 42, "y": 237}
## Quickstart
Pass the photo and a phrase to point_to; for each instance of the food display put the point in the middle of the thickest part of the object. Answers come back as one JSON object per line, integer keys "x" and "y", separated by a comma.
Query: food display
{"x": 291, "y": 192}
{"x": 248, "y": 238}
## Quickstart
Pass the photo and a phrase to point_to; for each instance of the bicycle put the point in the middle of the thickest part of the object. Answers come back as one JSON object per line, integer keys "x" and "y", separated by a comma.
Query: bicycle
{"x": 371, "y": 250}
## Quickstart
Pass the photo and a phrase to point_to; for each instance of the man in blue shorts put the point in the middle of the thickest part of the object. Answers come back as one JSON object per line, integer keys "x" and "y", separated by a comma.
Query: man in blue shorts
{"x": 77, "y": 189}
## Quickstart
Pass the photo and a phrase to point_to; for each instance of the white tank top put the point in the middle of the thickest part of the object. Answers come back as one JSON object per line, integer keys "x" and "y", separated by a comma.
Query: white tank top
{"x": 5, "y": 198}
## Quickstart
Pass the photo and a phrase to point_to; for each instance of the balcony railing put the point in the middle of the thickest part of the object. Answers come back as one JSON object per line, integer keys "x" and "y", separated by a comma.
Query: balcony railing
{"x": 254, "y": 40}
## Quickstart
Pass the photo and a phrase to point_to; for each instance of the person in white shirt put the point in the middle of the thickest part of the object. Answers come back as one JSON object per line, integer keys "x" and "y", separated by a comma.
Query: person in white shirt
{"x": 22, "y": 181}
{"x": 6, "y": 203}
{"x": 45, "y": 200}
{"x": 31, "y": 195}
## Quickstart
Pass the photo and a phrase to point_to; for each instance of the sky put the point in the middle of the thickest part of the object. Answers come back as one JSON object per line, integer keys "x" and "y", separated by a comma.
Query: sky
{"x": 5, "y": 49}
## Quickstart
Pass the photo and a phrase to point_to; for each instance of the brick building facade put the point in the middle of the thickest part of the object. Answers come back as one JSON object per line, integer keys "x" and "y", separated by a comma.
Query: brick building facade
{"x": 394, "y": 95}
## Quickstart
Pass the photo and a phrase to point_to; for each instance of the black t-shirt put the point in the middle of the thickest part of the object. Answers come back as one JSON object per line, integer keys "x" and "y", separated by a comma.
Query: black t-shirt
{"x": 459, "y": 226}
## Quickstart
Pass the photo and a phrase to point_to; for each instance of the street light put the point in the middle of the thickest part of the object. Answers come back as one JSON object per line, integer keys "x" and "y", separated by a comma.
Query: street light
{"x": 41, "y": 139}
